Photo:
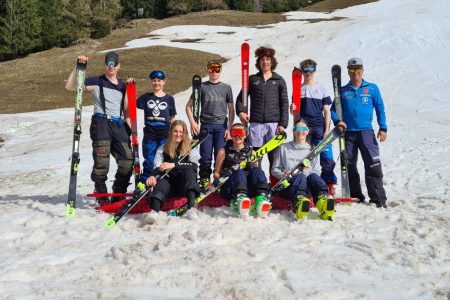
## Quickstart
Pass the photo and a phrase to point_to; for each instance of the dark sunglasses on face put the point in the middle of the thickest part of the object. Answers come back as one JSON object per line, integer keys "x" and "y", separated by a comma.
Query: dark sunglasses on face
{"x": 111, "y": 63}
{"x": 157, "y": 74}
{"x": 238, "y": 132}
{"x": 308, "y": 69}
{"x": 299, "y": 128}
{"x": 353, "y": 70}
{"x": 214, "y": 68}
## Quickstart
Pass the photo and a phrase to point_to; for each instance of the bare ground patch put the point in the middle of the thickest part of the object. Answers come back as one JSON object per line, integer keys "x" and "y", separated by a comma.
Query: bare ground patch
{"x": 36, "y": 82}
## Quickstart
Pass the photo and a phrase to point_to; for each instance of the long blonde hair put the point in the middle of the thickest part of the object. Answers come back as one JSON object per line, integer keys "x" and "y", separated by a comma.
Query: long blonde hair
{"x": 170, "y": 147}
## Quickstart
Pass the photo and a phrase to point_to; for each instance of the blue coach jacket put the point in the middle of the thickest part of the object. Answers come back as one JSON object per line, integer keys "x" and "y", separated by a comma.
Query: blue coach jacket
{"x": 358, "y": 105}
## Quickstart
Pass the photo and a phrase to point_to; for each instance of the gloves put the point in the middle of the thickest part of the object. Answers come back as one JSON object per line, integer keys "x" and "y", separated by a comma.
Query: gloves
{"x": 226, "y": 173}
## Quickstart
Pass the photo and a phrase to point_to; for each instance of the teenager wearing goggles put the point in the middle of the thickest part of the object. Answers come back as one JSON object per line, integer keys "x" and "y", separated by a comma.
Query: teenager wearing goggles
{"x": 359, "y": 99}
{"x": 315, "y": 109}
{"x": 159, "y": 112}
{"x": 243, "y": 183}
{"x": 216, "y": 116}
{"x": 108, "y": 131}
{"x": 306, "y": 183}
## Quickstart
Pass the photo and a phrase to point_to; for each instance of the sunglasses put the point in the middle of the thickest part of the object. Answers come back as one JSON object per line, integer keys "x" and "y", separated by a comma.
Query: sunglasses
{"x": 157, "y": 74}
{"x": 299, "y": 128}
{"x": 214, "y": 68}
{"x": 309, "y": 69}
{"x": 238, "y": 132}
{"x": 111, "y": 63}
{"x": 353, "y": 70}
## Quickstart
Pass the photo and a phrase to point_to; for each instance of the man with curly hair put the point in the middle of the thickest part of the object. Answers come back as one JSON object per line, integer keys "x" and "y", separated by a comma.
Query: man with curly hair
{"x": 269, "y": 110}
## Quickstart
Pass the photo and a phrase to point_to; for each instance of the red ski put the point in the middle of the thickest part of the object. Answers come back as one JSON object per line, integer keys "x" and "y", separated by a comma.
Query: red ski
{"x": 97, "y": 195}
{"x": 131, "y": 95}
{"x": 296, "y": 92}
{"x": 245, "y": 59}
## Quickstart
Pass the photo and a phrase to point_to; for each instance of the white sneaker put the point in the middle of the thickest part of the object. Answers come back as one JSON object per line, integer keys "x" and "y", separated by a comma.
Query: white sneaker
{"x": 151, "y": 217}
{"x": 191, "y": 214}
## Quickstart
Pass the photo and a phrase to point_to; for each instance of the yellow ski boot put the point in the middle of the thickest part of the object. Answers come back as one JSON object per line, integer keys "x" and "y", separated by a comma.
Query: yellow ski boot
{"x": 325, "y": 207}
{"x": 301, "y": 206}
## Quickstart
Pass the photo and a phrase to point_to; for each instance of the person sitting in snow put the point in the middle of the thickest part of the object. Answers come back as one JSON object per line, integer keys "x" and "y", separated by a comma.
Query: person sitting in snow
{"x": 242, "y": 184}
{"x": 181, "y": 179}
{"x": 305, "y": 183}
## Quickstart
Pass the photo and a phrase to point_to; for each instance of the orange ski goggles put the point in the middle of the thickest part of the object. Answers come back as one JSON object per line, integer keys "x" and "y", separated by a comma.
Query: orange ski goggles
{"x": 214, "y": 68}
{"x": 238, "y": 132}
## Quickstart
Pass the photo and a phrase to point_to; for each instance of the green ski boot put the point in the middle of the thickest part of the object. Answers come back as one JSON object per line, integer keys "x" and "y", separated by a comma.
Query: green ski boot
{"x": 261, "y": 207}
{"x": 241, "y": 204}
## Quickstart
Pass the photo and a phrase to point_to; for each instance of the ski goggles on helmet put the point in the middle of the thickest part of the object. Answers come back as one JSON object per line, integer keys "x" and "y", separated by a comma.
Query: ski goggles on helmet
{"x": 299, "y": 128}
{"x": 309, "y": 69}
{"x": 238, "y": 132}
{"x": 111, "y": 63}
{"x": 214, "y": 68}
{"x": 157, "y": 74}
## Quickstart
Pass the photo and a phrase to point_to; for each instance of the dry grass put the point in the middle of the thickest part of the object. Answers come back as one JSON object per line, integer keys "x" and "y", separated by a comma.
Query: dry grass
{"x": 36, "y": 82}
{"x": 331, "y": 5}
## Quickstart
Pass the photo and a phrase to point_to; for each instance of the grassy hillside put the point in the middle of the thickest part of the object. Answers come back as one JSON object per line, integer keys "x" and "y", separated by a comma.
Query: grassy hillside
{"x": 36, "y": 82}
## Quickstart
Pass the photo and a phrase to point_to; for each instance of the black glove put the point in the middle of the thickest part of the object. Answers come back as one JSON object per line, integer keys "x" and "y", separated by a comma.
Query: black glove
{"x": 226, "y": 173}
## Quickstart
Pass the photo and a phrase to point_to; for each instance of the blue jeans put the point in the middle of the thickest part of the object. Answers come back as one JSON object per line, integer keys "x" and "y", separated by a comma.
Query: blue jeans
{"x": 326, "y": 156}
{"x": 216, "y": 140}
{"x": 149, "y": 147}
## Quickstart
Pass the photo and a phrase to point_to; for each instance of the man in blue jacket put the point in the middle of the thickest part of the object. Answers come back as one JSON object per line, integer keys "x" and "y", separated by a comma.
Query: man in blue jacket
{"x": 359, "y": 99}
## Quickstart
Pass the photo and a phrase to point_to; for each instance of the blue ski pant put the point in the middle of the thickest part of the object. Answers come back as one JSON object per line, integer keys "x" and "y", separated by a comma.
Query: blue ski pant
{"x": 366, "y": 142}
{"x": 149, "y": 147}
{"x": 215, "y": 140}
{"x": 326, "y": 156}
{"x": 311, "y": 185}
{"x": 251, "y": 184}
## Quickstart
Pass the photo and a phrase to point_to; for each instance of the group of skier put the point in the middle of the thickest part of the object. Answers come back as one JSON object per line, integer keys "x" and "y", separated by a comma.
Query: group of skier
{"x": 167, "y": 148}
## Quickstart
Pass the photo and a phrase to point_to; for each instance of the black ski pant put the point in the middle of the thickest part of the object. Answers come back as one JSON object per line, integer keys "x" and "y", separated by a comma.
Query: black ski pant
{"x": 366, "y": 142}
{"x": 181, "y": 182}
{"x": 110, "y": 137}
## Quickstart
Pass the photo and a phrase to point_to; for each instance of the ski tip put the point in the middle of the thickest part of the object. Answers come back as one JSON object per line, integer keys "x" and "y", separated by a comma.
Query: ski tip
{"x": 70, "y": 210}
{"x": 110, "y": 223}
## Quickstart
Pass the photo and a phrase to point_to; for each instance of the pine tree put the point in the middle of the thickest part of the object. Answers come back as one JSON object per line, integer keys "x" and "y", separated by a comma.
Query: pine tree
{"x": 20, "y": 28}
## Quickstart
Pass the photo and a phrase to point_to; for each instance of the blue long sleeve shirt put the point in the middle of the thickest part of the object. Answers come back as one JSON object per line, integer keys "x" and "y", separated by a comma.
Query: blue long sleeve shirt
{"x": 358, "y": 104}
